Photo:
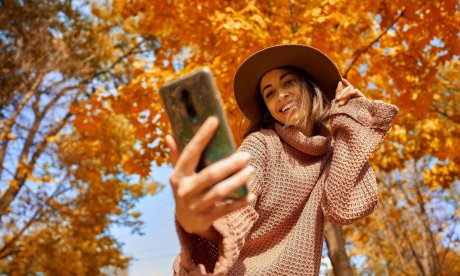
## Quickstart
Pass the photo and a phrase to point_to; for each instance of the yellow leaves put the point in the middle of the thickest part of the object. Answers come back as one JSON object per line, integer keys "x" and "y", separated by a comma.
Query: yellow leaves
{"x": 363, "y": 237}
{"x": 237, "y": 24}
{"x": 432, "y": 136}
{"x": 396, "y": 214}
{"x": 153, "y": 187}
{"x": 316, "y": 11}
{"x": 13, "y": 184}
{"x": 52, "y": 139}
{"x": 78, "y": 251}
{"x": 11, "y": 136}
{"x": 441, "y": 176}
{"x": 101, "y": 145}
{"x": 136, "y": 166}
{"x": 223, "y": 34}
{"x": 137, "y": 189}
{"x": 138, "y": 68}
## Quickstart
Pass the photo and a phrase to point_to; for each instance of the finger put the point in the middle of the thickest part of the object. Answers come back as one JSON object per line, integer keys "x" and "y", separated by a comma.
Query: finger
{"x": 344, "y": 99}
{"x": 173, "y": 149}
{"x": 354, "y": 93}
{"x": 343, "y": 92}
{"x": 347, "y": 93}
{"x": 222, "y": 190}
{"x": 339, "y": 87}
{"x": 213, "y": 174}
{"x": 346, "y": 82}
{"x": 191, "y": 154}
{"x": 359, "y": 93}
{"x": 225, "y": 209}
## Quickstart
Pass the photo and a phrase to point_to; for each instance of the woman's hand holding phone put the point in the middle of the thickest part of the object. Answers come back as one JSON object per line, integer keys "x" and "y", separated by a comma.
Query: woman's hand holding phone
{"x": 197, "y": 195}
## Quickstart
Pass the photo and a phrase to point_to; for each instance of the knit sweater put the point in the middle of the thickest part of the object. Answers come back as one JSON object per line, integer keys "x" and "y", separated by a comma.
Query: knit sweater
{"x": 299, "y": 181}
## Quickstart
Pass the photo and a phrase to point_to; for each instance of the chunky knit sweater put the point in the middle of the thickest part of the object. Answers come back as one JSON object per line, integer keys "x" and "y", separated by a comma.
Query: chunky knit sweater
{"x": 299, "y": 181}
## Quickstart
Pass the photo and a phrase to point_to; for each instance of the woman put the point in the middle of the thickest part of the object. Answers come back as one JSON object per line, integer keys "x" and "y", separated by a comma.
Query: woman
{"x": 298, "y": 171}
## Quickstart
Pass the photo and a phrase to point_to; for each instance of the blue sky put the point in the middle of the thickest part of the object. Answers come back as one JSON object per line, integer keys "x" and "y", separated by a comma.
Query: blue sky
{"x": 153, "y": 252}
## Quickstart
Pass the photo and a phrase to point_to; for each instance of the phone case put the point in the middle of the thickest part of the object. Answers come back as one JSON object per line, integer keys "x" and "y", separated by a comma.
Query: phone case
{"x": 189, "y": 100}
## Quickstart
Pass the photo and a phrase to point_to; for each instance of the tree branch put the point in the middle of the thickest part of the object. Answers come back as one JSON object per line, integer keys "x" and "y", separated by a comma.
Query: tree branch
{"x": 360, "y": 52}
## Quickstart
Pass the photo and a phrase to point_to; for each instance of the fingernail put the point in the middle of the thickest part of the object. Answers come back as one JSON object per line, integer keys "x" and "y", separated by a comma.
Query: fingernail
{"x": 249, "y": 169}
{"x": 212, "y": 120}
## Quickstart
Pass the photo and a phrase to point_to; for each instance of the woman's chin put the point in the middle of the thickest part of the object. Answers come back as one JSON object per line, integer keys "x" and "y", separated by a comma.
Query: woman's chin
{"x": 290, "y": 122}
{"x": 289, "y": 119}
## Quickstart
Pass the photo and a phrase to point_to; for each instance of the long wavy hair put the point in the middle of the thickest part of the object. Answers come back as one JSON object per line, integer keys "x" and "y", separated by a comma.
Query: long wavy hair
{"x": 317, "y": 109}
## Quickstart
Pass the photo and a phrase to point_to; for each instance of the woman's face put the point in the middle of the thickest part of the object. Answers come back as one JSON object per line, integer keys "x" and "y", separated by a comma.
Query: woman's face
{"x": 281, "y": 93}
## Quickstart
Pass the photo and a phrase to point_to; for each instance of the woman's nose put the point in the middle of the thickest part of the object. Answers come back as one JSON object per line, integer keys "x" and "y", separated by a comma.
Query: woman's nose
{"x": 282, "y": 94}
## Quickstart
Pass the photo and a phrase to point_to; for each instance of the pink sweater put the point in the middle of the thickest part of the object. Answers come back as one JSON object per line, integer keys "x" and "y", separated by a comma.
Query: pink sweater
{"x": 298, "y": 181}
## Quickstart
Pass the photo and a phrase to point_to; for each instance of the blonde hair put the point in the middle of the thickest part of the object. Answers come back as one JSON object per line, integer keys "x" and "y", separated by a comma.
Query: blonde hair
{"x": 316, "y": 109}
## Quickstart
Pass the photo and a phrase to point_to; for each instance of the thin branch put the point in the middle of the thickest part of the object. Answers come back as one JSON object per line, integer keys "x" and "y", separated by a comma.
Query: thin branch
{"x": 360, "y": 52}
{"x": 9, "y": 127}
{"x": 425, "y": 220}
{"x": 444, "y": 114}
{"x": 130, "y": 52}
{"x": 447, "y": 249}
{"x": 4, "y": 252}
{"x": 21, "y": 175}
{"x": 294, "y": 26}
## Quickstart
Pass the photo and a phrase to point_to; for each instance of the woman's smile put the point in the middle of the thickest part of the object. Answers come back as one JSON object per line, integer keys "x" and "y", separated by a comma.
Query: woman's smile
{"x": 281, "y": 93}
{"x": 287, "y": 107}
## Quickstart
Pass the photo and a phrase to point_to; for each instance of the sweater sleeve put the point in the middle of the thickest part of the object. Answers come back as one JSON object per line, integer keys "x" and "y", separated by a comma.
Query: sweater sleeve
{"x": 350, "y": 188}
{"x": 199, "y": 256}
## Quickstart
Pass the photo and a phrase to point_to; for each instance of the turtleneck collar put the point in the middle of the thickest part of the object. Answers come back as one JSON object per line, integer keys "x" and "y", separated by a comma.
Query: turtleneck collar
{"x": 316, "y": 145}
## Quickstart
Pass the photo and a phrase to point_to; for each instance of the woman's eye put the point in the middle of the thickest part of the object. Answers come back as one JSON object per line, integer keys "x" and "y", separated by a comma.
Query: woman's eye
{"x": 269, "y": 94}
{"x": 288, "y": 83}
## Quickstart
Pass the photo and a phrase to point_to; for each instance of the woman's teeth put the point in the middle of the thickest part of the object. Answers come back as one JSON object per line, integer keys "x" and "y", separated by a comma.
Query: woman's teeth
{"x": 287, "y": 107}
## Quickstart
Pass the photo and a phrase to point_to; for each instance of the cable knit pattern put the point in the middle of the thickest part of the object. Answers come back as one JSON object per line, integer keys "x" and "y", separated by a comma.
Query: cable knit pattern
{"x": 298, "y": 181}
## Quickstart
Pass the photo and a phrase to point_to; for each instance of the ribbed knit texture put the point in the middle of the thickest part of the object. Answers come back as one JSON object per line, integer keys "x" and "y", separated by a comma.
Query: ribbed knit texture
{"x": 298, "y": 181}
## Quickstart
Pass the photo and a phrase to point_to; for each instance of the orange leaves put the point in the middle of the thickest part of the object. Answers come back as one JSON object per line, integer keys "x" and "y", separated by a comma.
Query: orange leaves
{"x": 405, "y": 59}
{"x": 441, "y": 175}
{"x": 137, "y": 166}
{"x": 236, "y": 25}
{"x": 388, "y": 47}
{"x": 102, "y": 140}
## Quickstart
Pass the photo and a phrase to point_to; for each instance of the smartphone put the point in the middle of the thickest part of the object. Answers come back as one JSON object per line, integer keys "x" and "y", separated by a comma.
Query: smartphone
{"x": 189, "y": 100}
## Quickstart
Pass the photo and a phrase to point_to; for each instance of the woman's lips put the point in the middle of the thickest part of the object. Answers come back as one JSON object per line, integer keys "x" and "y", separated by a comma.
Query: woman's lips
{"x": 287, "y": 107}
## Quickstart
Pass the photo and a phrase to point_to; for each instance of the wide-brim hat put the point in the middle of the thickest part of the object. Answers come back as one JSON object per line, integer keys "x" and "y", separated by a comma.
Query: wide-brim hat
{"x": 316, "y": 64}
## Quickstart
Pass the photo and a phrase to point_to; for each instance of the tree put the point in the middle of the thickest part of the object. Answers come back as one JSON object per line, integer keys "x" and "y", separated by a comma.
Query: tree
{"x": 393, "y": 50}
{"x": 415, "y": 230}
{"x": 53, "y": 57}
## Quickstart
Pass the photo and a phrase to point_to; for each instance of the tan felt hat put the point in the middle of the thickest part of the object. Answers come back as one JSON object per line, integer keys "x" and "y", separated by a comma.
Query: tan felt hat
{"x": 320, "y": 67}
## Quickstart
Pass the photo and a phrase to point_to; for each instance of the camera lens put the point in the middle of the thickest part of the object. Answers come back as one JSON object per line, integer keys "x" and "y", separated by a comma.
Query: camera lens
{"x": 187, "y": 100}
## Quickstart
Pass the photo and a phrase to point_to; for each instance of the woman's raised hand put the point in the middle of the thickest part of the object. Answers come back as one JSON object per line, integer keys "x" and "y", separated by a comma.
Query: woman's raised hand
{"x": 198, "y": 195}
{"x": 346, "y": 91}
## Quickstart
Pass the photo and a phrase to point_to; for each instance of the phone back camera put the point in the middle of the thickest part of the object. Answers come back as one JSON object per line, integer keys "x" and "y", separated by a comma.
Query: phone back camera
{"x": 187, "y": 100}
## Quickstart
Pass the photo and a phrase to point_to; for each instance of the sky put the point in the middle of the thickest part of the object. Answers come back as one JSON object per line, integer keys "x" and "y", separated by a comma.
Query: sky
{"x": 153, "y": 252}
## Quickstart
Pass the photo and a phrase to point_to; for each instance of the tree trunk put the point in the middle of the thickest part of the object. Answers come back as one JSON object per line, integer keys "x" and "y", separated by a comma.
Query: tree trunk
{"x": 336, "y": 249}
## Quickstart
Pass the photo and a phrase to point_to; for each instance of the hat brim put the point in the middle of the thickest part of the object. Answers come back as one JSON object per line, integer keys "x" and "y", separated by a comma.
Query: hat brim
{"x": 319, "y": 66}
